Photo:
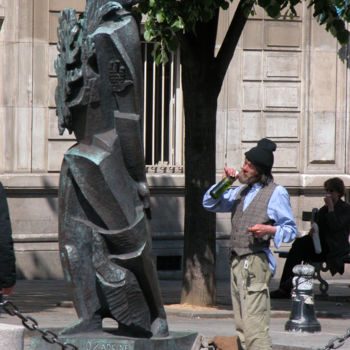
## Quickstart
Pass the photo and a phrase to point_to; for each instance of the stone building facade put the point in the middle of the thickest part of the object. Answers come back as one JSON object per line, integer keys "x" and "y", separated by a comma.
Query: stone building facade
{"x": 287, "y": 81}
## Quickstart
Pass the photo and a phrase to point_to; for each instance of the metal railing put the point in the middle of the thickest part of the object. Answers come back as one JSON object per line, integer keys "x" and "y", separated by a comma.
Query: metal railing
{"x": 163, "y": 113}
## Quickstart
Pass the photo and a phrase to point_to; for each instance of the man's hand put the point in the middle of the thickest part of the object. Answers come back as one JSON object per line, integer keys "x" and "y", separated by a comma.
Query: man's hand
{"x": 229, "y": 172}
{"x": 261, "y": 230}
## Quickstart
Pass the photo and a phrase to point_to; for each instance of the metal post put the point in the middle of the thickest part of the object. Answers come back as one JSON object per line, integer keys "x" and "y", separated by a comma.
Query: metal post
{"x": 302, "y": 317}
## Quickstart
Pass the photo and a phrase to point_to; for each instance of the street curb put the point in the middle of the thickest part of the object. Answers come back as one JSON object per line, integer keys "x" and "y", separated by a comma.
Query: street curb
{"x": 229, "y": 314}
{"x": 198, "y": 314}
{"x": 289, "y": 347}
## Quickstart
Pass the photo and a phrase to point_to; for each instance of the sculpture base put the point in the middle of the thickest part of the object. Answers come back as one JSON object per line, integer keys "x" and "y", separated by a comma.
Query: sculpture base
{"x": 107, "y": 341}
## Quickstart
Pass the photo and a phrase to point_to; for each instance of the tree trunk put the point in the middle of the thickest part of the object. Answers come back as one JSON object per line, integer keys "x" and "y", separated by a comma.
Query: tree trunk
{"x": 200, "y": 93}
{"x": 198, "y": 286}
{"x": 202, "y": 77}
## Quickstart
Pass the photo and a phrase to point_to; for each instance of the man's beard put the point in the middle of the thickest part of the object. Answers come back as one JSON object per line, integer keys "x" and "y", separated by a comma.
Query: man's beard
{"x": 246, "y": 180}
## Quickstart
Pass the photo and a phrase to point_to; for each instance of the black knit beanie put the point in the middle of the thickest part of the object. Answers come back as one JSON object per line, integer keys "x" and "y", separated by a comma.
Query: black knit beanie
{"x": 262, "y": 156}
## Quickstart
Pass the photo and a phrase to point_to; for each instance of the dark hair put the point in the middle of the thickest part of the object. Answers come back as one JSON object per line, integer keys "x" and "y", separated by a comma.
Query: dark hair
{"x": 262, "y": 178}
{"x": 265, "y": 179}
{"x": 335, "y": 184}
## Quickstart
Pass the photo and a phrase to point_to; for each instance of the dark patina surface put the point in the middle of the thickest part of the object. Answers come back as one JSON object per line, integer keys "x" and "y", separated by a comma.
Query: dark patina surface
{"x": 104, "y": 231}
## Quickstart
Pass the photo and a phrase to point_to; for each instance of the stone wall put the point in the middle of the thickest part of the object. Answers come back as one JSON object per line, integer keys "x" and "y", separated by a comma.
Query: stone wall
{"x": 286, "y": 81}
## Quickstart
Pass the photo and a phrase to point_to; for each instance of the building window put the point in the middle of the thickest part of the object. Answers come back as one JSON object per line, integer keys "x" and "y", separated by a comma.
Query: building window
{"x": 163, "y": 113}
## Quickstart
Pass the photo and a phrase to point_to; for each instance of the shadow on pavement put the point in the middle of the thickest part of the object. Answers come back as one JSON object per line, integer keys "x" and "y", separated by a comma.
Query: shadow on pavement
{"x": 32, "y": 296}
{"x": 39, "y": 295}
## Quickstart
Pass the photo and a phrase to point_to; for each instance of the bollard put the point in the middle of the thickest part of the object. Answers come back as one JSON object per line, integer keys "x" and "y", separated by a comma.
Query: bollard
{"x": 11, "y": 336}
{"x": 302, "y": 317}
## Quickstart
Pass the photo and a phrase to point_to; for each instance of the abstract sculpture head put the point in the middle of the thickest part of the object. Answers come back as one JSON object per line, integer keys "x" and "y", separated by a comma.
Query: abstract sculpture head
{"x": 79, "y": 93}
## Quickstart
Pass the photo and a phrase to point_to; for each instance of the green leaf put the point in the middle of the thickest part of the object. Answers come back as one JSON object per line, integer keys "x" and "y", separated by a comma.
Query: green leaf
{"x": 206, "y": 15}
{"x": 225, "y": 5}
{"x": 173, "y": 44}
{"x": 147, "y": 35}
{"x": 343, "y": 37}
{"x": 177, "y": 25}
{"x": 143, "y": 6}
{"x": 246, "y": 11}
{"x": 273, "y": 10}
{"x": 160, "y": 17}
{"x": 264, "y": 3}
{"x": 155, "y": 49}
{"x": 338, "y": 25}
{"x": 164, "y": 57}
{"x": 165, "y": 18}
{"x": 158, "y": 59}
{"x": 332, "y": 30}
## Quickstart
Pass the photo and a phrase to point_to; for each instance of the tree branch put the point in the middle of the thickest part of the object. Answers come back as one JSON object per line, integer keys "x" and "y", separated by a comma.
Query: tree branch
{"x": 231, "y": 39}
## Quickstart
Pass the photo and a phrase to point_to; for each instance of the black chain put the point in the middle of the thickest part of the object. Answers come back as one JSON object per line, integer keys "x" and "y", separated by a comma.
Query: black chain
{"x": 31, "y": 324}
{"x": 337, "y": 342}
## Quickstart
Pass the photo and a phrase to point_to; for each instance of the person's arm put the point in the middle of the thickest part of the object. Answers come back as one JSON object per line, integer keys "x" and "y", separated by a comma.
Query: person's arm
{"x": 279, "y": 210}
{"x": 222, "y": 204}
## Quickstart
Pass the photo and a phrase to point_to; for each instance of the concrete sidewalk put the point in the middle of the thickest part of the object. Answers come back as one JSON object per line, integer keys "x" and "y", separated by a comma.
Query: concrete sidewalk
{"x": 49, "y": 303}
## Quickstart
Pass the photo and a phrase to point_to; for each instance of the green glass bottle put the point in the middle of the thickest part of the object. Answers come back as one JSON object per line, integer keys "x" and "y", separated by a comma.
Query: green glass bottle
{"x": 223, "y": 186}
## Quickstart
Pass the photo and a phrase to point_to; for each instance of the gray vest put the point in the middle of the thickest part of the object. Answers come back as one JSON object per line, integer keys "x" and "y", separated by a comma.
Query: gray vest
{"x": 243, "y": 242}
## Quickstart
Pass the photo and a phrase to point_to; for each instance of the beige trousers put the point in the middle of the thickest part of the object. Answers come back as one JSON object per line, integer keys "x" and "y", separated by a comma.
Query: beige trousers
{"x": 250, "y": 275}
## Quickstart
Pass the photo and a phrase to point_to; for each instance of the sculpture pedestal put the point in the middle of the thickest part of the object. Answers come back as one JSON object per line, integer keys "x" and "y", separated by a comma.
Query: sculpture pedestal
{"x": 11, "y": 336}
{"x": 108, "y": 341}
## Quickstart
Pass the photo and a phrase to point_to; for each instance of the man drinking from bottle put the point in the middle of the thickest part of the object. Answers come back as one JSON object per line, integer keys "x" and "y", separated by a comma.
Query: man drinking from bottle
{"x": 261, "y": 211}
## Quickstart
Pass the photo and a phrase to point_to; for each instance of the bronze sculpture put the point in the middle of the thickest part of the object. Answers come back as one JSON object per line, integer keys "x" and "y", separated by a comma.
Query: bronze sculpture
{"x": 104, "y": 232}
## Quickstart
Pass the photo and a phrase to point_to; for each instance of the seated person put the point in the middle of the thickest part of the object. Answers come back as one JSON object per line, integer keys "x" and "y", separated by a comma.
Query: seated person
{"x": 333, "y": 221}
{"x": 7, "y": 256}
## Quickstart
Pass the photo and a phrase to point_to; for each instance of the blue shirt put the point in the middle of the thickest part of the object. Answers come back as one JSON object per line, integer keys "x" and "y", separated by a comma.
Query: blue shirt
{"x": 278, "y": 209}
